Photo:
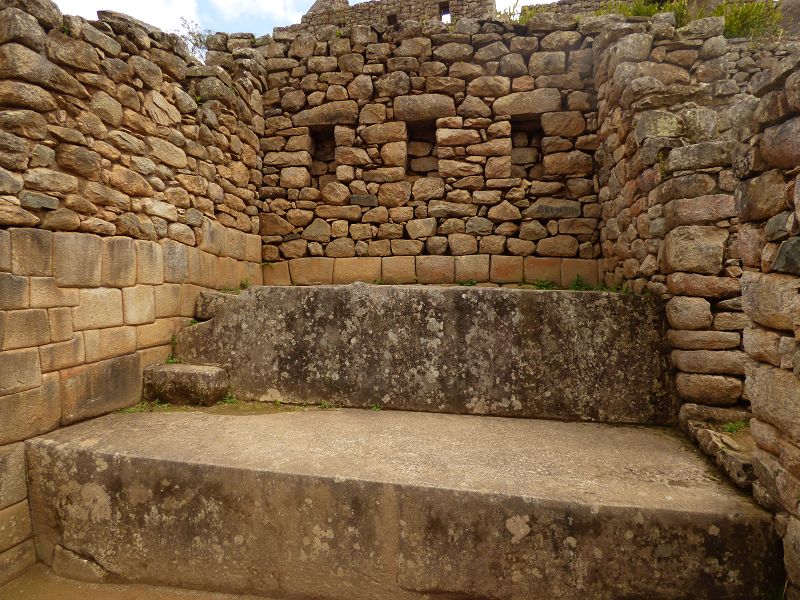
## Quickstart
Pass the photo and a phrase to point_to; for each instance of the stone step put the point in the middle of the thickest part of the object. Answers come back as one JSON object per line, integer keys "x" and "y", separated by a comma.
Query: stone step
{"x": 589, "y": 356}
{"x": 184, "y": 384}
{"x": 368, "y": 505}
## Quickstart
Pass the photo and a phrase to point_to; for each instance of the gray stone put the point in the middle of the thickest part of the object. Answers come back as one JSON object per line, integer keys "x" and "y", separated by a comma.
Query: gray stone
{"x": 416, "y": 342}
{"x": 184, "y": 384}
{"x": 527, "y": 104}
{"x": 424, "y": 107}
{"x": 383, "y": 524}
{"x": 340, "y": 112}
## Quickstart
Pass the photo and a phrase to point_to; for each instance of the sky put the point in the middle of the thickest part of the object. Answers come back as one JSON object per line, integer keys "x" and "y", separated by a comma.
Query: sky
{"x": 254, "y": 16}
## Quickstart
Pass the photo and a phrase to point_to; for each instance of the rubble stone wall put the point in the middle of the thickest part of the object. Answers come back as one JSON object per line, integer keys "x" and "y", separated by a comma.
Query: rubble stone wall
{"x": 121, "y": 199}
{"x": 475, "y": 140}
{"x": 767, "y": 161}
{"x": 387, "y": 12}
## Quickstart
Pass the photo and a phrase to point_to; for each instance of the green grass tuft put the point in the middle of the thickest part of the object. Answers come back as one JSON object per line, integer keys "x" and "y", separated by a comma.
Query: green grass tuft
{"x": 228, "y": 398}
{"x": 736, "y": 426}
{"x": 752, "y": 20}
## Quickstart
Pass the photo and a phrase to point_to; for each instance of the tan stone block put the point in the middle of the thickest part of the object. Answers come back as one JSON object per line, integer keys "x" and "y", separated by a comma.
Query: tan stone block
{"x": 189, "y": 294}
{"x": 15, "y": 525}
{"x": 435, "y": 269}
{"x": 14, "y": 292}
{"x": 234, "y": 243}
{"x": 15, "y": 561}
{"x": 5, "y": 250}
{"x": 311, "y": 271}
{"x": 45, "y": 293}
{"x": 210, "y": 268}
{"x": 228, "y": 274}
{"x": 102, "y": 344}
{"x": 167, "y": 299}
{"x": 506, "y": 269}
{"x": 13, "y": 484}
{"x": 175, "y": 260}
{"x": 60, "y": 320}
{"x": 119, "y": 262}
{"x": 139, "y": 305}
{"x": 542, "y": 269}
{"x": 585, "y": 268}
{"x": 472, "y": 268}
{"x": 26, "y": 329}
{"x": 158, "y": 333}
{"x": 255, "y": 274}
{"x": 32, "y": 252}
{"x": 20, "y": 369}
{"x": 687, "y": 312}
{"x": 149, "y": 262}
{"x": 715, "y": 362}
{"x": 154, "y": 356}
{"x": 252, "y": 248}
{"x": 277, "y": 274}
{"x": 686, "y": 339}
{"x": 77, "y": 259}
{"x": 98, "y": 388}
{"x": 560, "y": 245}
{"x": 32, "y": 412}
{"x": 398, "y": 269}
{"x": 212, "y": 237}
{"x": 98, "y": 308}
{"x": 62, "y": 355}
{"x": 360, "y": 268}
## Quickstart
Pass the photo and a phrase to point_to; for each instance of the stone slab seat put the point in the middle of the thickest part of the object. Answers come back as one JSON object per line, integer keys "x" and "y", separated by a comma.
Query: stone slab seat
{"x": 589, "y": 356}
{"x": 363, "y": 505}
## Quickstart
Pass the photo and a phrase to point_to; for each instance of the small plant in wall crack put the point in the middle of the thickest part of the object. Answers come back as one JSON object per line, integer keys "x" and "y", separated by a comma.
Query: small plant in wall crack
{"x": 735, "y": 426}
{"x": 229, "y": 398}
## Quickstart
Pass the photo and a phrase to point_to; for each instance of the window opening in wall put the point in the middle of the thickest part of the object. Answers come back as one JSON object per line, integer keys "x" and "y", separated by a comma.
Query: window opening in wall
{"x": 422, "y": 158}
{"x": 392, "y": 20}
{"x": 526, "y": 148}
{"x": 323, "y": 155}
{"x": 444, "y": 12}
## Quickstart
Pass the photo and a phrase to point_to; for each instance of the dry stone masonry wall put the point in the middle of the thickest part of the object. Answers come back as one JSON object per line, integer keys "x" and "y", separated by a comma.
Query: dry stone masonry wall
{"x": 122, "y": 199}
{"x": 622, "y": 151}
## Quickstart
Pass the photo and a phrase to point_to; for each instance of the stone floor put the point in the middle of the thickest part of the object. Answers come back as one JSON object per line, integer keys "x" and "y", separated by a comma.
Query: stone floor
{"x": 39, "y": 583}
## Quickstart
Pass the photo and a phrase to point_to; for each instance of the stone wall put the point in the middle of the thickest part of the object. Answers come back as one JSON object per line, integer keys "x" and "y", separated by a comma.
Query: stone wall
{"x": 121, "y": 200}
{"x": 767, "y": 160}
{"x": 385, "y": 13}
{"x": 429, "y": 140}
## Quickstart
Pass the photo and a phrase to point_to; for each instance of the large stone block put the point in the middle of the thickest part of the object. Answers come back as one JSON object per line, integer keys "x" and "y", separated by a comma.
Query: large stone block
{"x": 31, "y": 252}
{"x": 435, "y": 269}
{"x": 15, "y": 525}
{"x": 427, "y": 332}
{"x": 13, "y": 486}
{"x": 119, "y": 262}
{"x": 424, "y": 107}
{"x": 761, "y": 197}
{"x": 29, "y": 413}
{"x": 25, "y": 329}
{"x": 45, "y": 293}
{"x": 14, "y": 292}
{"x": 138, "y": 305}
{"x": 16, "y": 560}
{"x": 398, "y": 269}
{"x": 712, "y": 390}
{"x": 339, "y": 112}
{"x": 715, "y": 362}
{"x": 101, "y": 344}
{"x": 184, "y": 384}
{"x": 528, "y": 104}
{"x": 771, "y": 299}
{"x": 311, "y": 271}
{"x": 360, "y": 268}
{"x": 684, "y": 312}
{"x": 77, "y": 259}
{"x": 506, "y": 269}
{"x": 21, "y": 370}
{"x": 98, "y": 388}
{"x": 98, "y": 308}
{"x": 472, "y": 268}
{"x": 694, "y": 249}
{"x": 773, "y": 395}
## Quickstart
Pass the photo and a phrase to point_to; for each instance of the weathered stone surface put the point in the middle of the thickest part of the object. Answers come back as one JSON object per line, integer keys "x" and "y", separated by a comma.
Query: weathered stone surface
{"x": 694, "y": 249}
{"x": 99, "y": 388}
{"x": 779, "y": 146}
{"x": 19, "y": 62}
{"x": 773, "y": 397}
{"x": 184, "y": 384}
{"x": 771, "y": 299}
{"x": 203, "y": 343}
{"x": 761, "y": 197}
{"x": 423, "y": 107}
{"x": 528, "y": 104}
{"x": 684, "y": 312}
{"x": 712, "y": 390}
{"x": 340, "y": 112}
{"x": 329, "y": 458}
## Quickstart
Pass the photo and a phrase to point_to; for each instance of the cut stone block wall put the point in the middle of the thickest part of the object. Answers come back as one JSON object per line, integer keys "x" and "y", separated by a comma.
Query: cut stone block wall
{"x": 121, "y": 199}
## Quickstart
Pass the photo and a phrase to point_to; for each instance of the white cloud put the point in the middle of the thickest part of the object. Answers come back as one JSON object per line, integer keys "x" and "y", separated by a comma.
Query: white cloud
{"x": 164, "y": 14}
{"x": 284, "y": 12}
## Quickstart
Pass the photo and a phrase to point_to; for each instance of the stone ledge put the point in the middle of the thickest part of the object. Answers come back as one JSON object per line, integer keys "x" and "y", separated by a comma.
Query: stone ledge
{"x": 431, "y": 269}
